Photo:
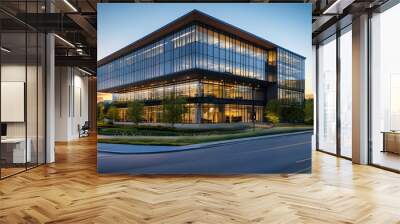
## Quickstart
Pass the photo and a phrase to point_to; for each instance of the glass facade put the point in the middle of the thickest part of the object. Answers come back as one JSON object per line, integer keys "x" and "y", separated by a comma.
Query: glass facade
{"x": 208, "y": 112}
{"x": 187, "y": 89}
{"x": 192, "y": 89}
{"x": 193, "y": 47}
{"x": 136, "y": 76}
{"x": 229, "y": 113}
{"x": 290, "y": 77}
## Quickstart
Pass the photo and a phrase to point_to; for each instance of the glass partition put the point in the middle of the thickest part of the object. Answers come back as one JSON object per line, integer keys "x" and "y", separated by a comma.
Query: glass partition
{"x": 14, "y": 145}
{"x": 22, "y": 77}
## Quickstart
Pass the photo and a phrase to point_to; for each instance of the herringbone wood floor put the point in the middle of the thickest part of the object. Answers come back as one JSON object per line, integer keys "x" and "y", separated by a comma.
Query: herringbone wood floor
{"x": 70, "y": 191}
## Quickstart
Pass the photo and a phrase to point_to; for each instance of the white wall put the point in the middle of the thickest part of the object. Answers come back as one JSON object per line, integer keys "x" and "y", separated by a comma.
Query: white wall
{"x": 10, "y": 73}
{"x": 71, "y": 102}
{"x": 17, "y": 73}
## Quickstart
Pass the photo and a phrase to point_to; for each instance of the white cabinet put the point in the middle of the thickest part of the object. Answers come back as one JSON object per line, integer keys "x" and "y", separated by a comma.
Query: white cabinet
{"x": 19, "y": 155}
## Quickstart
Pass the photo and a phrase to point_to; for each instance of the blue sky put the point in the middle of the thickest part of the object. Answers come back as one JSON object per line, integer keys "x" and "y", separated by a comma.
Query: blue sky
{"x": 287, "y": 25}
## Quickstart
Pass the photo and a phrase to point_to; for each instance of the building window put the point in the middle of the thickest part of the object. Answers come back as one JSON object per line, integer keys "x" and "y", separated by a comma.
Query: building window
{"x": 346, "y": 93}
{"x": 327, "y": 95}
{"x": 385, "y": 89}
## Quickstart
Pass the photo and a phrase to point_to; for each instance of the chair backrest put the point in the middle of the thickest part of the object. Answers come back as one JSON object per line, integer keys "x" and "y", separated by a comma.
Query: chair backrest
{"x": 86, "y": 125}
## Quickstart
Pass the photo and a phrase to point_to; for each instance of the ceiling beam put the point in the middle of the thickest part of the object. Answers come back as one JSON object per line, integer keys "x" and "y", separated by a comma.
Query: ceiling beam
{"x": 77, "y": 61}
{"x": 84, "y": 24}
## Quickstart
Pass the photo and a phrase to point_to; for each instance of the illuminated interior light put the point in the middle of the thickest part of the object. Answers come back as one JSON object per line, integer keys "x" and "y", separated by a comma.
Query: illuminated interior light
{"x": 5, "y": 50}
{"x": 70, "y": 5}
{"x": 64, "y": 40}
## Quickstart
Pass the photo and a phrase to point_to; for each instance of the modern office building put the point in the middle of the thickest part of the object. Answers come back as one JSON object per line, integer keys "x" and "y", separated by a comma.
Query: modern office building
{"x": 226, "y": 73}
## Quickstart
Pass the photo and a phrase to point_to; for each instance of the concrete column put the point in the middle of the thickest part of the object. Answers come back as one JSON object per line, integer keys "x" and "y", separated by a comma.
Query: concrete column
{"x": 71, "y": 102}
{"x": 314, "y": 90}
{"x": 197, "y": 113}
{"x": 360, "y": 90}
{"x": 50, "y": 98}
{"x": 63, "y": 103}
{"x": 221, "y": 108}
{"x": 92, "y": 101}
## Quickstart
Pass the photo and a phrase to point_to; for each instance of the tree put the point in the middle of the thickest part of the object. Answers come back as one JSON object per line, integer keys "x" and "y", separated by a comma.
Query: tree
{"x": 100, "y": 112}
{"x": 293, "y": 112}
{"x": 174, "y": 107}
{"x": 113, "y": 113}
{"x": 273, "y": 111}
{"x": 135, "y": 111}
{"x": 309, "y": 111}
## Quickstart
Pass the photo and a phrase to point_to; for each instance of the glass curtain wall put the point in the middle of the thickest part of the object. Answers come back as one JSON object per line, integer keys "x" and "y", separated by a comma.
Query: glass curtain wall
{"x": 327, "y": 95}
{"x": 204, "y": 88}
{"x": 385, "y": 89}
{"x": 211, "y": 113}
{"x": 193, "y": 47}
{"x": 241, "y": 113}
{"x": 346, "y": 92}
{"x": 22, "y": 93}
{"x": 290, "y": 70}
{"x": 220, "y": 52}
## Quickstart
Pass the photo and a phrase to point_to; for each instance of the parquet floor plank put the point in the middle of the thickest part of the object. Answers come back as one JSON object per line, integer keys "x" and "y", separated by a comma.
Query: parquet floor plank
{"x": 71, "y": 191}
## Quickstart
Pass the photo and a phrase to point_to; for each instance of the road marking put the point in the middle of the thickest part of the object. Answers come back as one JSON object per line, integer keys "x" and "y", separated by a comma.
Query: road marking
{"x": 278, "y": 147}
{"x": 227, "y": 142}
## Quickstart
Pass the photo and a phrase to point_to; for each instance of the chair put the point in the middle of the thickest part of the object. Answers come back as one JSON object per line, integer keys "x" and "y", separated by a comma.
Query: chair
{"x": 84, "y": 130}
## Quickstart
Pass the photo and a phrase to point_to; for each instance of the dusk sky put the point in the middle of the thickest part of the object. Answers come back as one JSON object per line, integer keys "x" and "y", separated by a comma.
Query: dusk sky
{"x": 287, "y": 25}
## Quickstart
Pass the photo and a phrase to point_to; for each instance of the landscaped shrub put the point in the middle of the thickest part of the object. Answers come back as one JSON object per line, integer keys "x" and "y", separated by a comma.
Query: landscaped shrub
{"x": 273, "y": 111}
{"x": 143, "y": 130}
{"x": 292, "y": 113}
{"x": 272, "y": 117}
{"x": 309, "y": 111}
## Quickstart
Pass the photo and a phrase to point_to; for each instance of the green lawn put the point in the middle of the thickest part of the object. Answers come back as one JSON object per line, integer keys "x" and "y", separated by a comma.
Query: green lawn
{"x": 200, "y": 138}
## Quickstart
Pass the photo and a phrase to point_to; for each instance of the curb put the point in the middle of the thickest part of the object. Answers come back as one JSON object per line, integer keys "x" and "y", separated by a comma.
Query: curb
{"x": 206, "y": 145}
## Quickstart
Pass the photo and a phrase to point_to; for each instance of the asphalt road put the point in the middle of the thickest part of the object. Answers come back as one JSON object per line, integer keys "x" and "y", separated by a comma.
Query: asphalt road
{"x": 280, "y": 154}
